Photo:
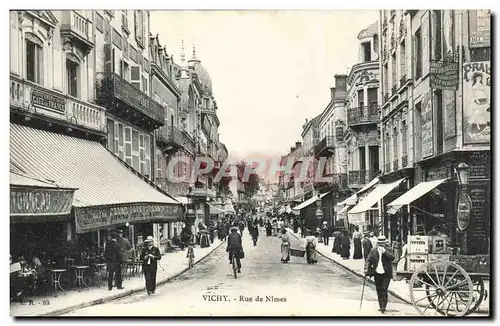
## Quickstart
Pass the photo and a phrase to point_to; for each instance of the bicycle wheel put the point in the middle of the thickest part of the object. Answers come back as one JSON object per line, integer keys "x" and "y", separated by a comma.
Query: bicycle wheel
{"x": 235, "y": 268}
{"x": 191, "y": 262}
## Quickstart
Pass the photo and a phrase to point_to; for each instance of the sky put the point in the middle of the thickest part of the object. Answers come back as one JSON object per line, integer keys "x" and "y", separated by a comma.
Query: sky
{"x": 270, "y": 70}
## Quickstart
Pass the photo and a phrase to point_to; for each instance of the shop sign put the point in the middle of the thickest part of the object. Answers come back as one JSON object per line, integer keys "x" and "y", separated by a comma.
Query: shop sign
{"x": 48, "y": 101}
{"x": 480, "y": 25}
{"x": 427, "y": 137}
{"x": 479, "y": 163}
{"x": 99, "y": 217}
{"x": 476, "y": 102}
{"x": 357, "y": 219}
{"x": 444, "y": 75}
{"x": 463, "y": 210}
{"x": 28, "y": 201}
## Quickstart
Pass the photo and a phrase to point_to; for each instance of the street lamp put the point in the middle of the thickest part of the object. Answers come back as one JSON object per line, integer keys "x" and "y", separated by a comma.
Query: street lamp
{"x": 190, "y": 213}
{"x": 319, "y": 215}
{"x": 463, "y": 173}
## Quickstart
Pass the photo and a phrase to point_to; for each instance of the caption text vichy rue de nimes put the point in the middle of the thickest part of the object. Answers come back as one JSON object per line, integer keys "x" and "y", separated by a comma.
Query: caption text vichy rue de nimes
{"x": 242, "y": 298}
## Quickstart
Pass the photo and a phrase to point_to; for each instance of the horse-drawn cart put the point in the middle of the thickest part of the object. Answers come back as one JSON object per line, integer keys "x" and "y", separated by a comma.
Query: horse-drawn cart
{"x": 451, "y": 285}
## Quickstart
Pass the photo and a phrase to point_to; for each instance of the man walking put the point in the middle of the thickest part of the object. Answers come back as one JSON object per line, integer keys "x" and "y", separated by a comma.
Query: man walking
{"x": 325, "y": 233}
{"x": 379, "y": 265}
{"x": 149, "y": 257}
{"x": 367, "y": 245}
{"x": 114, "y": 260}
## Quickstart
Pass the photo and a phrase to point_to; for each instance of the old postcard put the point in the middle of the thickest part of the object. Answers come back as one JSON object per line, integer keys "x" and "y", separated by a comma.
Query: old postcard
{"x": 250, "y": 163}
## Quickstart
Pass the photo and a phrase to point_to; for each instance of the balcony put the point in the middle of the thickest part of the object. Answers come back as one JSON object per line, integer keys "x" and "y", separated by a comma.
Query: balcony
{"x": 78, "y": 29}
{"x": 394, "y": 89}
{"x": 404, "y": 161}
{"x": 203, "y": 192}
{"x": 402, "y": 81}
{"x": 395, "y": 163}
{"x": 325, "y": 146}
{"x": 172, "y": 138}
{"x": 363, "y": 115}
{"x": 386, "y": 98}
{"x": 359, "y": 178}
{"x": 33, "y": 99}
{"x": 128, "y": 102}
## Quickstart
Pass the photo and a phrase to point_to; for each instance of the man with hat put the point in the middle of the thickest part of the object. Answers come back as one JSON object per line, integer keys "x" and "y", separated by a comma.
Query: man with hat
{"x": 366, "y": 244}
{"x": 234, "y": 246}
{"x": 325, "y": 233}
{"x": 379, "y": 265}
{"x": 149, "y": 257}
{"x": 114, "y": 260}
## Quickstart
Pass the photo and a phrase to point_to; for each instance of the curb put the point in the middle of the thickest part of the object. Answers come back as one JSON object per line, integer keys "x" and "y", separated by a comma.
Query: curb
{"x": 119, "y": 295}
{"x": 479, "y": 310}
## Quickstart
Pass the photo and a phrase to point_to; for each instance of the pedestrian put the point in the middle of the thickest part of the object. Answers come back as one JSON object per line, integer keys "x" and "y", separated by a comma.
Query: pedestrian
{"x": 396, "y": 249}
{"x": 125, "y": 248}
{"x": 269, "y": 228}
{"x": 379, "y": 265}
{"x": 204, "y": 239}
{"x": 234, "y": 246}
{"x": 345, "y": 246}
{"x": 358, "y": 252}
{"x": 150, "y": 256}
{"x": 311, "y": 249}
{"x": 255, "y": 233}
{"x": 325, "y": 234}
{"x": 285, "y": 246}
{"x": 367, "y": 245}
{"x": 186, "y": 236}
{"x": 114, "y": 261}
{"x": 337, "y": 241}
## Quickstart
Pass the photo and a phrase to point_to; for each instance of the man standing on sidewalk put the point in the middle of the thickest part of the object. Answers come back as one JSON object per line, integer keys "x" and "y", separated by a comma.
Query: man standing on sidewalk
{"x": 325, "y": 233}
{"x": 379, "y": 265}
{"x": 114, "y": 260}
{"x": 149, "y": 257}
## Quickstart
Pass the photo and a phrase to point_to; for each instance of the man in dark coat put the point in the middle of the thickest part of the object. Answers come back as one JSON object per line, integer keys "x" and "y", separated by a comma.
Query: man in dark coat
{"x": 366, "y": 244}
{"x": 254, "y": 232}
{"x": 114, "y": 261}
{"x": 345, "y": 243}
{"x": 379, "y": 265}
{"x": 235, "y": 245}
{"x": 149, "y": 257}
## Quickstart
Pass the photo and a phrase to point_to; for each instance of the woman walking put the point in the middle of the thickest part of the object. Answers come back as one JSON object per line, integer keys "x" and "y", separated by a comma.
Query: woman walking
{"x": 311, "y": 249}
{"x": 345, "y": 249}
{"x": 396, "y": 249}
{"x": 285, "y": 246}
{"x": 358, "y": 252}
{"x": 337, "y": 242}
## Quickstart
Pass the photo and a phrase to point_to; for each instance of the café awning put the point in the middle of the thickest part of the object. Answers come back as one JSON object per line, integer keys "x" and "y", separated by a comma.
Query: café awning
{"x": 374, "y": 196}
{"x": 413, "y": 194}
{"x": 350, "y": 201}
{"x": 308, "y": 202}
{"x": 344, "y": 210}
{"x": 109, "y": 193}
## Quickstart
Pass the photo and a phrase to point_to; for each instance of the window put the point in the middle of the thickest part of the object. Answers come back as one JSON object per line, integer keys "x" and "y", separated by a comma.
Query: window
{"x": 72, "y": 77}
{"x": 402, "y": 58}
{"x": 373, "y": 97}
{"x": 375, "y": 43}
{"x": 437, "y": 46}
{"x": 147, "y": 145}
{"x": 404, "y": 141}
{"x": 367, "y": 51}
{"x": 135, "y": 162}
{"x": 125, "y": 70}
{"x": 394, "y": 72}
{"x": 120, "y": 134}
{"x": 386, "y": 79}
{"x": 125, "y": 20}
{"x": 135, "y": 141}
{"x": 158, "y": 165}
{"x": 395, "y": 143}
{"x": 387, "y": 149}
{"x": 418, "y": 131}
{"x": 111, "y": 133}
{"x": 373, "y": 152}
{"x": 135, "y": 76}
{"x": 33, "y": 62}
{"x": 128, "y": 146}
{"x": 148, "y": 168}
{"x": 361, "y": 98}
{"x": 362, "y": 158}
{"x": 145, "y": 84}
{"x": 418, "y": 53}
{"x": 115, "y": 148}
{"x": 172, "y": 120}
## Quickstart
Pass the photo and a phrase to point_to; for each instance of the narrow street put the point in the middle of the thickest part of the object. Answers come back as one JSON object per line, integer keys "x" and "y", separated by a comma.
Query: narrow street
{"x": 294, "y": 289}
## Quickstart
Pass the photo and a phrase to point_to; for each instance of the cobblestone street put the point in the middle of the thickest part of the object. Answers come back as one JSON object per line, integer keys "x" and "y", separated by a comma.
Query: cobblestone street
{"x": 296, "y": 289}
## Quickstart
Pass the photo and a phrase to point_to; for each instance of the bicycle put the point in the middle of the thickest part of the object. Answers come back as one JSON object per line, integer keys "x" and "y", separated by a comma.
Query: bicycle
{"x": 190, "y": 256}
{"x": 233, "y": 262}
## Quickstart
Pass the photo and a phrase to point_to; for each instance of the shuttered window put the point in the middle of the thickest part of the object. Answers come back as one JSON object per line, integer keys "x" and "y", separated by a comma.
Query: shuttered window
{"x": 135, "y": 76}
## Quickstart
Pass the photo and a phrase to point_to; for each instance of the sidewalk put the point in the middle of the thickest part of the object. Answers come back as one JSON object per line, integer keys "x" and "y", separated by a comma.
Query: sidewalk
{"x": 173, "y": 264}
{"x": 399, "y": 289}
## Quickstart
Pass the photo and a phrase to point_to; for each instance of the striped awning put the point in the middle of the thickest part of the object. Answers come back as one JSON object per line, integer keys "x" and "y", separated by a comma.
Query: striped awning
{"x": 106, "y": 186}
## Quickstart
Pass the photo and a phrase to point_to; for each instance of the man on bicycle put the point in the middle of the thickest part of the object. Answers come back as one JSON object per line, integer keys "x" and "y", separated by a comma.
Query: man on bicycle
{"x": 234, "y": 246}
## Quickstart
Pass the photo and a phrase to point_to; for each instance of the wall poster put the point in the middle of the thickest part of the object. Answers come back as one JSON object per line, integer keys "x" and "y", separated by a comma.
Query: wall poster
{"x": 476, "y": 102}
{"x": 450, "y": 117}
{"x": 427, "y": 136}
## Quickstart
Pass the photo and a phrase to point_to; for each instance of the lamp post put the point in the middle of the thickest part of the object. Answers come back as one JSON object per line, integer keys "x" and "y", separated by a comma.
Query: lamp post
{"x": 464, "y": 205}
{"x": 190, "y": 213}
{"x": 319, "y": 215}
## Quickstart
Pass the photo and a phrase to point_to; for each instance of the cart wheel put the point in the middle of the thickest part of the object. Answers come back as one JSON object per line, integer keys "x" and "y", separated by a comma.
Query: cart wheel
{"x": 448, "y": 289}
{"x": 479, "y": 295}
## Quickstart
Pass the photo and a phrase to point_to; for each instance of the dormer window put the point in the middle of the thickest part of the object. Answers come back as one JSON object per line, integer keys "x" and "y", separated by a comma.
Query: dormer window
{"x": 367, "y": 51}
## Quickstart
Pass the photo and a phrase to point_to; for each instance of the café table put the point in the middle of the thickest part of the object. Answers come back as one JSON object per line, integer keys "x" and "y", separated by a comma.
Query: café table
{"x": 56, "y": 279}
{"x": 79, "y": 273}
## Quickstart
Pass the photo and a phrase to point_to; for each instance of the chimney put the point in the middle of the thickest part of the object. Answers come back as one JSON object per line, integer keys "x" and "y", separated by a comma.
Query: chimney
{"x": 298, "y": 144}
{"x": 340, "y": 86}
{"x": 332, "y": 91}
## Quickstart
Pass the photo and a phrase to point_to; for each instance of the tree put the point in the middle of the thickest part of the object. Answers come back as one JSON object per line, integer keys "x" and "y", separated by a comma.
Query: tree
{"x": 224, "y": 186}
{"x": 252, "y": 185}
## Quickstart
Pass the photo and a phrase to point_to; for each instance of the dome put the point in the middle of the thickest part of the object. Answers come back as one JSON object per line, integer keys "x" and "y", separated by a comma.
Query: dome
{"x": 369, "y": 31}
{"x": 200, "y": 71}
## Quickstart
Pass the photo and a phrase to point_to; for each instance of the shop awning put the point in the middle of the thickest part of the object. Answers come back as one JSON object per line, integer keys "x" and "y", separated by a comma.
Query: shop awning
{"x": 413, "y": 194}
{"x": 109, "y": 192}
{"x": 308, "y": 202}
{"x": 216, "y": 210}
{"x": 344, "y": 210}
{"x": 349, "y": 201}
{"x": 369, "y": 185}
{"x": 373, "y": 197}
{"x": 181, "y": 199}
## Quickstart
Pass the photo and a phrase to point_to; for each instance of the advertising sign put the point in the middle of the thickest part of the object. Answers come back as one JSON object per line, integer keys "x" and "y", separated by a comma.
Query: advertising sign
{"x": 444, "y": 75}
{"x": 27, "y": 201}
{"x": 48, "y": 101}
{"x": 476, "y": 102}
{"x": 427, "y": 137}
{"x": 463, "y": 210}
{"x": 480, "y": 28}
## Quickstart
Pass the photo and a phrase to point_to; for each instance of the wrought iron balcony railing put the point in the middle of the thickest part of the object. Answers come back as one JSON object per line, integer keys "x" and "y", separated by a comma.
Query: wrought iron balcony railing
{"x": 110, "y": 86}
{"x": 363, "y": 115}
{"x": 404, "y": 161}
{"x": 356, "y": 177}
{"x": 328, "y": 142}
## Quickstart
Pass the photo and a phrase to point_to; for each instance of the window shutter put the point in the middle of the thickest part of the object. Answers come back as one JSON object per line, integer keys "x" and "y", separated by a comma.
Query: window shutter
{"x": 109, "y": 62}
{"x": 135, "y": 76}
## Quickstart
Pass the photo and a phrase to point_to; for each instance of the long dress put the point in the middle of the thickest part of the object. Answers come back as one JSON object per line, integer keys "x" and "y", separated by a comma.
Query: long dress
{"x": 358, "y": 252}
{"x": 311, "y": 257}
{"x": 345, "y": 247}
{"x": 285, "y": 248}
{"x": 337, "y": 243}
{"x": 204, "y": 240}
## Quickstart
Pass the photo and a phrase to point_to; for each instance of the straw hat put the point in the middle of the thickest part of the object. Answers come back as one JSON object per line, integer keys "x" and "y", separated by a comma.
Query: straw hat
{"x": 149, "y": 239}
{"x": 381, "y": 239}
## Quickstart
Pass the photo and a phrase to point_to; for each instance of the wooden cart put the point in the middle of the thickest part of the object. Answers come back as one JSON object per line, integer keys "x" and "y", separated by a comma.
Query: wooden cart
{"x": 444, "y": 287}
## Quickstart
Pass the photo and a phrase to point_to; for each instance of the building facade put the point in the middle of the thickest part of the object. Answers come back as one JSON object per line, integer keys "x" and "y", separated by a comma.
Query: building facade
{"x": 435, "y": 122}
